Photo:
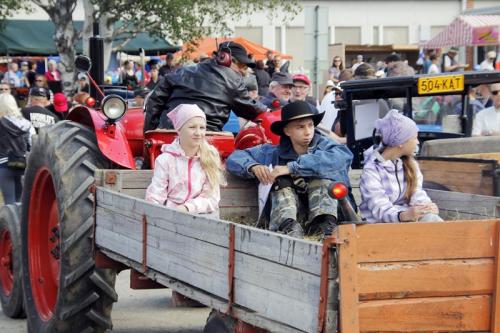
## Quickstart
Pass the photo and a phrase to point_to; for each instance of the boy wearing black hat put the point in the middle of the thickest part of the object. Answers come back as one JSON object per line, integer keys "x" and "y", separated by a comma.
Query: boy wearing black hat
{"x": 304, "y": 164}
{"x": 216, "y": 86}
{"x": 37, "y": 111}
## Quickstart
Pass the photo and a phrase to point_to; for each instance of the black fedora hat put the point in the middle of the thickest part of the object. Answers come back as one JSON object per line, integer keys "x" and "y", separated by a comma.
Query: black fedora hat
{"x": 293, "y": 111}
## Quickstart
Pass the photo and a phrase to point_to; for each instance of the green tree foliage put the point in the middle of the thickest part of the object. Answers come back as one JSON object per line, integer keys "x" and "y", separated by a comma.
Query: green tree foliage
{"x": 8, "y": 7}
{"x": 188, "y": 20}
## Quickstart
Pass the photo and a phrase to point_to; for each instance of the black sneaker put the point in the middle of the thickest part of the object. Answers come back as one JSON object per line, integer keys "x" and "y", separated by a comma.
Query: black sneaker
{"x": 324, "y": 225}
{"x": 291, "y": 228}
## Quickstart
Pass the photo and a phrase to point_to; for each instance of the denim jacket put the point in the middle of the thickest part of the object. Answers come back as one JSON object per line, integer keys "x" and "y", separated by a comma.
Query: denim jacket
{"x": 324, "y": 159}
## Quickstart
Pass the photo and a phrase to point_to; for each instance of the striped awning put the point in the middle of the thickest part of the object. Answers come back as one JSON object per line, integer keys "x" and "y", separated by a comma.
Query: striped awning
{"x": 468, "y": 30}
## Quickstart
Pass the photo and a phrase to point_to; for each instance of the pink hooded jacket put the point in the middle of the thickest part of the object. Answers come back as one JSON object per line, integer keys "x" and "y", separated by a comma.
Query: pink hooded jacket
{"x": 180, "y": 180}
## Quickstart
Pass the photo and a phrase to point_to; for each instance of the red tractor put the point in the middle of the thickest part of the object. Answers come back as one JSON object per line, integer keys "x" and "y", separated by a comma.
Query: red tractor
{"x": 53, "y": 249}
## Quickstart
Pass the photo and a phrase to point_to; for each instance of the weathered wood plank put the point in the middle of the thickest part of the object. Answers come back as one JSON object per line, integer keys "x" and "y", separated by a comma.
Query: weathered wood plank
{"x": 137, "y": 179}
{"x": 459, "y": 176}
{"x": 349, "y": 318}
{"x": 448, "y": 314}
{"x": 426, "y": 278}
{"x": 206, "y": 298}
{"x": 258, "y": 283}
{"x": 213, "y": 257}
{"x": 495, "y": 313}
{"x": 483, "y": 156}
{"x": 426, "y": 241}
{"x": 301, "y": 254}
{"x": 466, "y": 203}
{"x": 454, "y": 215}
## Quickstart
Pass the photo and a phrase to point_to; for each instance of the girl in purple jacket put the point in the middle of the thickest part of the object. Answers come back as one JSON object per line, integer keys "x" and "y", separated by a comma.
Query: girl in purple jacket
{"x": 391, "y": 182}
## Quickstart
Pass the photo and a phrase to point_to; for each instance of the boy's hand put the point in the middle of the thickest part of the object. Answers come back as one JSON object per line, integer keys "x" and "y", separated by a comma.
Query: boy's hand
{"x": 263, "y": 174}
{"x": 280, "y": 170}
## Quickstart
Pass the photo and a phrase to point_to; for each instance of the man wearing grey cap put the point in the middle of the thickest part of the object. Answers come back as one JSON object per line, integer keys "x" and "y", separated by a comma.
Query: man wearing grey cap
{"x": 280, "y": 89}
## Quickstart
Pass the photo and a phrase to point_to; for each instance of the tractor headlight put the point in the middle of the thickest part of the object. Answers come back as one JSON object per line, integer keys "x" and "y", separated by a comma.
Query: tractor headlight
{"x": 114, "y": 107}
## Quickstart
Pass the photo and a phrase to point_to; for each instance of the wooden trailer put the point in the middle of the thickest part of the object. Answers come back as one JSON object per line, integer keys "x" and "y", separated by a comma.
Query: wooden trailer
{"x": 366, "y": 278}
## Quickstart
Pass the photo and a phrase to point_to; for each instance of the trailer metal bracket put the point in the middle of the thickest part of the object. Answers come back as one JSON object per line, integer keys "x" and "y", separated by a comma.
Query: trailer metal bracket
{"x": 103, "y": 261}
{"x": 230, "y": 271}
{"x": 144, "y": 244}
{"x": 328, "y": 243}
{"x": 110, "y": 177}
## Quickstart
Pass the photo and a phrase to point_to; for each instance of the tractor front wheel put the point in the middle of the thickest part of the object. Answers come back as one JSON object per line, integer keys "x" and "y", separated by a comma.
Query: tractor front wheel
{"x": 64, "y": 291}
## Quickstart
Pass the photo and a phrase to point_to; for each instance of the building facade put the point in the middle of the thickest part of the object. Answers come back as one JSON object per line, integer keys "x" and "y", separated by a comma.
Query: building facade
{"x": 358, "y": 22}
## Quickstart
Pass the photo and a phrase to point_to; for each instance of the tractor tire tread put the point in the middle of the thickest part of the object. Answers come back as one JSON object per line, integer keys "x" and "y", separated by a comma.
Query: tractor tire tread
{"x": 101, "y": 320}
{"x": 104, "y": 286}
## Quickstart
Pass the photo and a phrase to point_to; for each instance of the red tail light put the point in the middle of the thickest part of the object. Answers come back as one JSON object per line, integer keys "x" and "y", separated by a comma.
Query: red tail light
{"x": 338, "y": 190}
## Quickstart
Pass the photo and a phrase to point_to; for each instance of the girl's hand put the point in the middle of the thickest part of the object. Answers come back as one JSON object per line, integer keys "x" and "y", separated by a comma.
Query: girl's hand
{"x": 430, "y": 208}
{"x": 409, "y": 215}
{"x": 182, "y": 208}
{"x": 415, "y": 212}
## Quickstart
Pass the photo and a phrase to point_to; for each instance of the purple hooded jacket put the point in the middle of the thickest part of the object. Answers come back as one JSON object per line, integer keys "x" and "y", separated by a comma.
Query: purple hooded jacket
{"x": 383, "y": 187}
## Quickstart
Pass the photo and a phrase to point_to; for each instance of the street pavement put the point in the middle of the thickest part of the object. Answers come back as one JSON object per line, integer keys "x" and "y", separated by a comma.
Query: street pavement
{"x": 138, "y": 311}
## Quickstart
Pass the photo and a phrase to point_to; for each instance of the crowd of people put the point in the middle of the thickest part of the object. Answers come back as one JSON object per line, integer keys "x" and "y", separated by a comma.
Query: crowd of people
{"x": 199, "y": 98}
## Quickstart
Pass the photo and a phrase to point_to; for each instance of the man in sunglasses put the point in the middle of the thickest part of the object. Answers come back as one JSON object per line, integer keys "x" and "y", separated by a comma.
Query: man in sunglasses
{"x": 487, "y": 121}
{"x": 216, "y": 86}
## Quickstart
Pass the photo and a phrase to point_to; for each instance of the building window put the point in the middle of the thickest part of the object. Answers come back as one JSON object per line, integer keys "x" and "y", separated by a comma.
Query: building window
{"x": 348, "y": 35}
{"x": 253, "y": 34}
{"x": 396, "y": 35}
{"x": 277, "y": 38}
{"x": 375, "y": 35}
{"x": 435, "y": 29}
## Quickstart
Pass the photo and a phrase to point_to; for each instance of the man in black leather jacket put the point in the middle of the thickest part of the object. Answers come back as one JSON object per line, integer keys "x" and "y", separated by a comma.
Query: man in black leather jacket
{"x": 216, "y": 86}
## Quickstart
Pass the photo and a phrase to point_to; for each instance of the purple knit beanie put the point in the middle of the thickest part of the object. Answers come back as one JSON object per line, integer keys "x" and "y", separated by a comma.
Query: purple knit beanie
{"x": 395, "y": 128}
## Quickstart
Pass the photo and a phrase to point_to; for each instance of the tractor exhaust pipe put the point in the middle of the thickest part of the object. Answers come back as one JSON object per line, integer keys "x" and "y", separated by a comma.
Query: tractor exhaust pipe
{"x": 96, "y": 49}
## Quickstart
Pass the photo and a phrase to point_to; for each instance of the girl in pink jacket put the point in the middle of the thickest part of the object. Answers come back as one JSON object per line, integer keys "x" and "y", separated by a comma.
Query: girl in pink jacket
{"x": 189, "y": 171}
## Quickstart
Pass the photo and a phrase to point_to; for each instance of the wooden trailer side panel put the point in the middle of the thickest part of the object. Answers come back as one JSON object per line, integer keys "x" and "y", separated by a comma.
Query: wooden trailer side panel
{"x": 238, "y": 198}
{"x": 460, "y": 175}
{"x": 275, "y": 276}
{"x": 419, "y": 277}
{"x": 455, "y": 206}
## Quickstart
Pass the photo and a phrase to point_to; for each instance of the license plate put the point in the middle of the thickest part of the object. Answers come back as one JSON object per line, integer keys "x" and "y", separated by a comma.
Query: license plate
{"x": 440, "y": 84}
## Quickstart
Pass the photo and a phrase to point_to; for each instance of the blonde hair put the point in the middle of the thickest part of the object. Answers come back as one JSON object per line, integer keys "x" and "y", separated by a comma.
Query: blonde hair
{"x": 211, "y": 163}
{"x": 8, "y": 106}
{"x": 410, "y": 173}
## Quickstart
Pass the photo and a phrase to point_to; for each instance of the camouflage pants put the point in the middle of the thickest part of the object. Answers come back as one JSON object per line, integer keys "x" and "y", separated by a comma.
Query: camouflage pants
{"x": 286, "y": 203}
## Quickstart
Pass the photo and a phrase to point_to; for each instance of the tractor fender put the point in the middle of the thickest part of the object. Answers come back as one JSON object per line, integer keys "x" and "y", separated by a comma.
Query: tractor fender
{"x": 111, "y": 138}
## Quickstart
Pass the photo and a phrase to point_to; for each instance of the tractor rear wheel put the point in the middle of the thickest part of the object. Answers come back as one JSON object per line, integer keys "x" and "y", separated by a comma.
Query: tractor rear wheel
{"x": 64, "y": 292}
{"x": 11, "y": 288}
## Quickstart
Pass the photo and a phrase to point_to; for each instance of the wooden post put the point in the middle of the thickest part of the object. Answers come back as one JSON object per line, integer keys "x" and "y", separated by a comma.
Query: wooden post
{"x": 348, "y": 266}
{"x": 495, "y": 309}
